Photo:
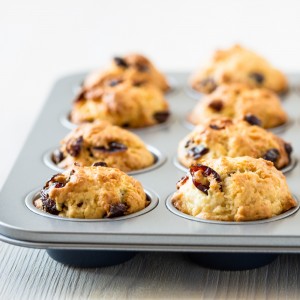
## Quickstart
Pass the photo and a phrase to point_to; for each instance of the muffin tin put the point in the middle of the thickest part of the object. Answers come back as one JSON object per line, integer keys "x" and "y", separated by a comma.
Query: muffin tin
{"x": 97, "y": 243}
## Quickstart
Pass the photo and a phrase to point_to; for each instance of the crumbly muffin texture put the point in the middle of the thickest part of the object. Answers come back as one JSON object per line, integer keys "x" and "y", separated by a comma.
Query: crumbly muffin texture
{"x": 134, "y": 67}
{"x": 92, "y": 193}
{"x": 122, "y": 103}
{"x": 233, "y": 189}
{"x": 101, "y": 141}
{"x": 240, "y": 65}
{"x": 239, "y": 101}
{"x": 225, "y": 137}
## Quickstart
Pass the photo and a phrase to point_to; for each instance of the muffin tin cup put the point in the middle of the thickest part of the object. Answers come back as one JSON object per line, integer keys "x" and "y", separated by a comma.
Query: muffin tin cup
{"x": 90, "y": 258}
{"x": 276, "y": 130}
{"x": 34, "y": 195}
{"x": 196, "y": 95}
{"x": 65, "y": 121}
{"x": 177, "y": 212}
{"x": 286, "y": 169}
{"x": 159, "y": 160}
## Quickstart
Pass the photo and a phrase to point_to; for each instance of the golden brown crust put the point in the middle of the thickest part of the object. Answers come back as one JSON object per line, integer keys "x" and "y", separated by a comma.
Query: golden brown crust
{"x": 236, "y": 101}
{"x": 121, "y": 103}
{"x": 238, "y": 65}
{"x": 133, "y": 67}
{"x": 224, "y": 137}
{"x": 92, "y": 193}
{"x": 103, "y": 142}
{"x": 238, "y": 189}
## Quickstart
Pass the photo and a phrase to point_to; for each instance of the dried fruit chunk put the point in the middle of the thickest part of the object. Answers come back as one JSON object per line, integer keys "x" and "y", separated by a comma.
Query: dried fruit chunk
{"x": 75, "y": 148}
{"x": 216, "y": 105}
{"x": 57, "y": 156}
{"x": 117, "y": 210}
{"x": 119, "y": 61}
{"x": 272, "y": 155}
{"x": 198, "y": 151}
{"x": 257, "y": 77}
{"x": 100, "y": 164}
{"x": 161, "y": 116}
{"x": 205, "y": 172}
{"x": 252, "y": 120}
{"x": 112, "y": 147}
{"x": 288, "y": 148}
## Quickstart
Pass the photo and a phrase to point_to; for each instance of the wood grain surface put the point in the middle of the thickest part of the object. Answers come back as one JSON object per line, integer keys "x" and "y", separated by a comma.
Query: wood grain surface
{"x": 32, "y": 274}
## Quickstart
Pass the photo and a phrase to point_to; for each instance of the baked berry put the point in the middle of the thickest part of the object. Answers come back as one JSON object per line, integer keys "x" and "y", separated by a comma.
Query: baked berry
{"x": 252, "y": 120}
{"x": 272, "y": 155}
{"x": 205, "y": 172}
{"x": 257, "y": 77}
{"x": 161, "y": 116}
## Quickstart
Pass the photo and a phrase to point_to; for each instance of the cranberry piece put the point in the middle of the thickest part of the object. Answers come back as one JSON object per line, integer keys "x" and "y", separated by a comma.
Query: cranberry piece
{"x": 119, "y": 61}
{"x": 257, "y": 77}
{"x": 117, "y": 210}
{"x": 100, "y": 164}
{"x": 216, "y": 105}
{"x": 115, "y": 82}
{"x": 208, "y": 84}
{"x": 198, "y": 151}
{"x": 205, "y": 172}
{"x": 271, "y": 155}
{"x": 49, "y": 206}
{"x": 138, "y": 83}
{"x": 161, "y": 116}
{"x": 252, "y": 120}
{"x": 80, "y": 204}
{"x": 182, "y": 181}
{"x": 288, "y": 148}
{"x": 216, "y": 127}
{"x": 57, "y": 156}
{"x": 75, "y": 148}
{"x": 187, "y": 144}
{"x": 112, "y": 147}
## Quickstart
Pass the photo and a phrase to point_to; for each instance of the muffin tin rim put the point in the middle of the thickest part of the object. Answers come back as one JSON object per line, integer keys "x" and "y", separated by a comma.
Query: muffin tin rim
{"x": 275, "y": 130}
{"x": 31, "y": 196}
{"x": 282, "y": 216}
{"x": 65, "y": 122}
{"x": 290, "y": 167}
{"x": 160, "y": 159}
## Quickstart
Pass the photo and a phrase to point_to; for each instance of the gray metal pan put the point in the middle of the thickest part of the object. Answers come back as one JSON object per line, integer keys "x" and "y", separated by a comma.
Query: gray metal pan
{"x": 158, "y": 229}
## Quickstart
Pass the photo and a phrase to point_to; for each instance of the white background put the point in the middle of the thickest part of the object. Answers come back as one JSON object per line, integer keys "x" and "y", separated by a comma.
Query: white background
{"x": 43, "y": 40}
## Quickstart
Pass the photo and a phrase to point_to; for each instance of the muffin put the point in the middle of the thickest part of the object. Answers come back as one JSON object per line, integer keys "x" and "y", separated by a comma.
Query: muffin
{"x": 233, "y": 189}
{"x": 240, "y": 65}
{"x": 224, "y": 137}
{"x": 134, "y": 67}
{"x": 101, "y": 141}
{"x": 239, "y": 101}
{"x": 92, "y": 193}
{"x": 122, "y": 103}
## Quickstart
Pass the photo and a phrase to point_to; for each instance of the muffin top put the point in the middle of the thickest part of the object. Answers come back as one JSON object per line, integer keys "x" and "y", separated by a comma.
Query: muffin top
{"x": 101, "y": 141}
{"x": 122, "y": 103}
{"x": 134, "y": 67}
{"x": 241, "y": 65}
{"x": 239, "y": 101}
{"x": 233, "y": 189}
{"x": 93, "y": 193}
{"x": 225, "y": 137}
